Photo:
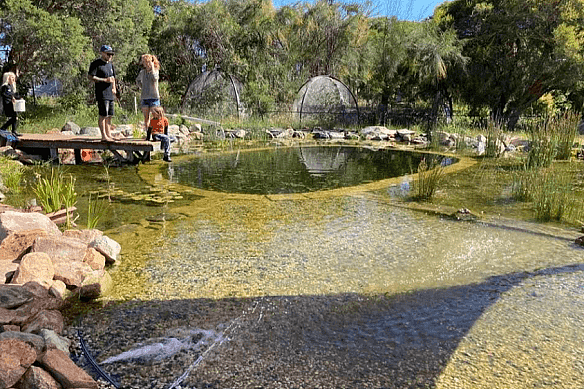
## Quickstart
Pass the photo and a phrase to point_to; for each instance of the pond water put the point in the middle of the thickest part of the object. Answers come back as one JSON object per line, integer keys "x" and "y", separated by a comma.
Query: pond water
{"x": 459, "y": 299}
{"x": 296, "y": 169}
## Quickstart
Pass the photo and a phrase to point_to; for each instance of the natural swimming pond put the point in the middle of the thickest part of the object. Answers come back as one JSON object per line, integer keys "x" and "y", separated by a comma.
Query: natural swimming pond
{"x": 349, "y": 286}
{"x": 296, "y": 169}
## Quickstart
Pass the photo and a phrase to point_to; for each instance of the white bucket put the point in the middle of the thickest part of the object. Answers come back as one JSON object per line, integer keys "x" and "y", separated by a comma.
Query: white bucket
{"x": 19, "y": 106}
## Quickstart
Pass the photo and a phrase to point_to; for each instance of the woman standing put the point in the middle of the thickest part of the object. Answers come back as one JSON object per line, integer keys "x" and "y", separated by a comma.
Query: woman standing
{"x": 148, "y": 80}
{"x": 8, "y": 93}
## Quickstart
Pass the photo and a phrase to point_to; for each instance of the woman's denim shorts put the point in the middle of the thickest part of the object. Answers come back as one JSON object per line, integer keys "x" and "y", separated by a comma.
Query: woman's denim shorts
{"x": 150, "y": 103}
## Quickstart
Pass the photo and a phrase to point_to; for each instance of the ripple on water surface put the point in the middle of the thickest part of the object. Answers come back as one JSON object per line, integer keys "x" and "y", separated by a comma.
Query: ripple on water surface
{"x": 347, "y": 244}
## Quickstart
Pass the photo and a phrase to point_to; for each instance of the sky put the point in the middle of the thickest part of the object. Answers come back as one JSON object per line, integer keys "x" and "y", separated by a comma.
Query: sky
{"x": 403, "y": 9}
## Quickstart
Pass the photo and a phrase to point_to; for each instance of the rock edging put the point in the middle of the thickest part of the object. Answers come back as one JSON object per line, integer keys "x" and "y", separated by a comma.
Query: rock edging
{"x": 40, "y": 267}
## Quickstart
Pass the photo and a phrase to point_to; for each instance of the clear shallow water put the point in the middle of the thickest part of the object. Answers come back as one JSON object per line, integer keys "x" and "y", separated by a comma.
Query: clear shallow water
{"x": 497, "y": 292}
{"x": 356, "y": 243}
{"x": 294, "y": 169}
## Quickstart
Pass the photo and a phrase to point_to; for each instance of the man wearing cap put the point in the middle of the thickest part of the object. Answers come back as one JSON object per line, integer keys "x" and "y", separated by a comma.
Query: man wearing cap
{"x": 101, "y": 72}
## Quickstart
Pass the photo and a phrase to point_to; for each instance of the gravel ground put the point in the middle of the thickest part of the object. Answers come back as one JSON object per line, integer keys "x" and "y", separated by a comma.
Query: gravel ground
{"x": 521, "y": 330}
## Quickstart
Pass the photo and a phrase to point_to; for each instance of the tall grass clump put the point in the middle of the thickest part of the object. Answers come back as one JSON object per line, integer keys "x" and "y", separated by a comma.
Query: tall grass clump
{"x": 11, "y": 173}
{"x": 565, "y": 126}
{"x": 547, "y": 189}
{"x": 95, "y": 210}
{"x": 55, "y": 192}
{"x": 430, "y": 175}
{"x": 494, "y": 140}
{"x": 552, "y": 139}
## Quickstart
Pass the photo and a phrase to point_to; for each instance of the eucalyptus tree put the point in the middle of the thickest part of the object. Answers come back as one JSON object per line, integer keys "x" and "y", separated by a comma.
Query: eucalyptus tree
{"x": 325, "y": 35}
{"x": 518, "y": 50}
{"x": 189, "y": 37}
{"x": 40, "y": 43}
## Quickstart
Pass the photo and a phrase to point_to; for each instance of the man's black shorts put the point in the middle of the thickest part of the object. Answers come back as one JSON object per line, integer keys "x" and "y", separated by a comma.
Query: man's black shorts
{"x": 105, "y": 108}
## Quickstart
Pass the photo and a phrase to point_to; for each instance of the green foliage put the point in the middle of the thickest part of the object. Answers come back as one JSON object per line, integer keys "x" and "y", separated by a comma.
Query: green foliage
{"x": 430, "y": 175}
{"x": 546, "y": 189}
{"x": 55, "y": 192}
{"x": 518, "y": 50}
{"x": 41, "y": 41}
{"x": 96, "y": 209}
{"x": 11, "y": 174}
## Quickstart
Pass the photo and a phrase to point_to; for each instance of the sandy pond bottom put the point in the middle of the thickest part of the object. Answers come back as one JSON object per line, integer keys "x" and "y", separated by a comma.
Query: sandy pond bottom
{"x": 344, "y": 292}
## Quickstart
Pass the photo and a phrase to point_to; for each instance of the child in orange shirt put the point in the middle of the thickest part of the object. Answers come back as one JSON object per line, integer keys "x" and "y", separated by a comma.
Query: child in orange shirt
{"x": 159, "y": 131}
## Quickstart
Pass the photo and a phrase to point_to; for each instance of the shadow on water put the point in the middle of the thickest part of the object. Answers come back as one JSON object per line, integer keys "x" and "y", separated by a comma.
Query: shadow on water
{"x": 342, "y": 340}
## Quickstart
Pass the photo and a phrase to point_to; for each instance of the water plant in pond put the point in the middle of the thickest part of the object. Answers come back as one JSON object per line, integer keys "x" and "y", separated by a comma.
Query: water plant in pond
{"x": 430, "y": 174}
{"x": 11, "y": 173}
{"x": 55, "y": 191}
{"x": 548, "y": 189}
{"x": 95, "y": 210}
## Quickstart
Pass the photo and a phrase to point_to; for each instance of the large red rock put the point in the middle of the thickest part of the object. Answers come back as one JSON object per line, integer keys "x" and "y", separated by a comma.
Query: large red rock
{"x": 15, "y": 357}
{"x": 36, "y": 267}
{"x": 60, "y": 247}
{"x": 14, "y": 245}
{"x": 12, "y": 222}
{"x": 37, "y": 378}
{"x": 65, "y": 371}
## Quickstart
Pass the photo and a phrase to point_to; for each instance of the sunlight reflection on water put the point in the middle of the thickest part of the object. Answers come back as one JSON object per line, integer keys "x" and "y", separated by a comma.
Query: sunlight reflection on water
{"x": 354, "y": 244}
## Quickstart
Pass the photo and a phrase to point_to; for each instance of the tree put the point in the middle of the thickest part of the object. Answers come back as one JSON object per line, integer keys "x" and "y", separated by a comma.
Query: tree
{"x": 518, "y": 50}
{"x": 39, "y": 43}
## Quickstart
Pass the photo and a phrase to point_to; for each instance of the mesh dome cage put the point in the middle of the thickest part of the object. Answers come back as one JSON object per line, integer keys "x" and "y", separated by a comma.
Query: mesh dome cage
{"x": 214, "y": 93}
{"x": 325, "y": 101}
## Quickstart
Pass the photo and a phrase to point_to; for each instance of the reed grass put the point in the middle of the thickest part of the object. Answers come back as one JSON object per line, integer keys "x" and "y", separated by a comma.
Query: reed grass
{"x": 547, "y": 189}
{"x": 96, "y": 209}
{"x": 430, "y": 175}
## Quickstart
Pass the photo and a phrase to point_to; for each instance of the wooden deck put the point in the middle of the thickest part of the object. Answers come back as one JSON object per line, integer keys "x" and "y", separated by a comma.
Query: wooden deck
{"x": 128, "y": 150}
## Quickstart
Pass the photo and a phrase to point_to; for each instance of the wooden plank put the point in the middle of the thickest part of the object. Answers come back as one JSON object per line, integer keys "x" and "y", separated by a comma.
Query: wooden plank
{"x": 61, "y": 212}
{"x": 56, "y": 141}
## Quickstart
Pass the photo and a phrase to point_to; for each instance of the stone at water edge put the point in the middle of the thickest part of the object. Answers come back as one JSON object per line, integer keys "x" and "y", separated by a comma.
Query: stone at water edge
{"x": 13, "y": 246}
{"x": 66, "y": 371}
{"x": 108, "y": 247}
{"x": 35, "y": 341}
{"x": 47, "y": 319}
{"x": 580, "y": 241}
{"x": 12, "y": 222}
{"x": 37, "y": 378}
{"x": 95, "y": 285}
{"x": 60, "y": 248}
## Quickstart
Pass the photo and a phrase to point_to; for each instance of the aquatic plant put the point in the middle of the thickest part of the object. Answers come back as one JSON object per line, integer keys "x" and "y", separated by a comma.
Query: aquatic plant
{"x": 548, "y": 190}
{"x": 429, "y": 177}
{"x": 54, "y": 192}
{"x": 552, "y": 139}
{"x": 11, "y": 173}
{"x": 96, "y": 209}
